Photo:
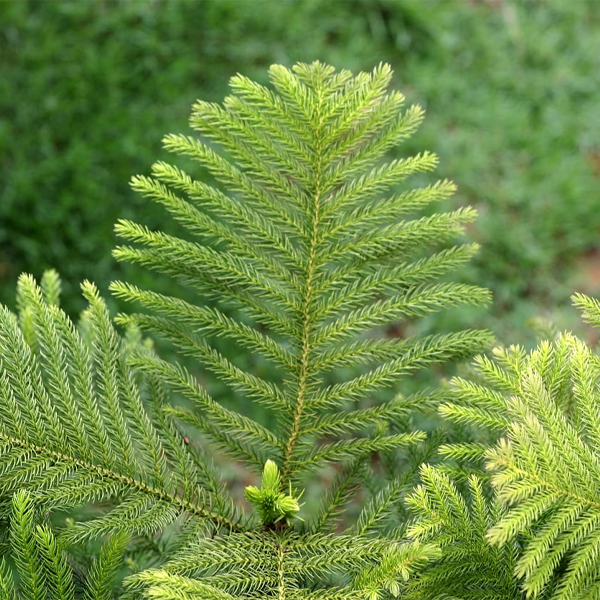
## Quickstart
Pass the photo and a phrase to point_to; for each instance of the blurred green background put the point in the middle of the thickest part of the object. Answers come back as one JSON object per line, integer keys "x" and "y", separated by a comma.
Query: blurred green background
{"x": 88, "y": 88}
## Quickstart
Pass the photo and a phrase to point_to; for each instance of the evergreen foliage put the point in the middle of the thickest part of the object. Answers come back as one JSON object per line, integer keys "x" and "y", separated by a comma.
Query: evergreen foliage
{"x": 543, "y": 410}
{"x": 43, "y": 566}
{"x": 309, "y": 244}
{"x": 303, "y": 251}
{"x": 314, "y": 253}
{"x": 469, "y": 567}
{"x": 306, "y": 253}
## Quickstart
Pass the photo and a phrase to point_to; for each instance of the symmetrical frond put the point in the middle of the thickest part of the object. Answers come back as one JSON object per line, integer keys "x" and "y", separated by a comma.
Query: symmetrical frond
{"x": 304, "y": 248}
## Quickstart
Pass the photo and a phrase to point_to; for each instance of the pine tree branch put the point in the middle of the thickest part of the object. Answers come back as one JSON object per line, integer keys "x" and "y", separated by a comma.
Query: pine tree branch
{"x": 123, "y": 480}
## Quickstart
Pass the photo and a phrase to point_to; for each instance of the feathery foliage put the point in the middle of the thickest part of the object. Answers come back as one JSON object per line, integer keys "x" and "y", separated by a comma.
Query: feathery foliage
{"x": 75, "y": 429}
{"x": 306, "y": 253}
{"x": 305, "y": 250}
{"x": 543, "y": 408}
{"x": 302, "y": 251}
{"x": 43, "y": 566}
{"x": 469, "y": 566}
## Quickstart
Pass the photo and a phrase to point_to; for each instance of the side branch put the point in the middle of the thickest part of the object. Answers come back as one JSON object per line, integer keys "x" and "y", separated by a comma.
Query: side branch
{"x": 184, "y": 505}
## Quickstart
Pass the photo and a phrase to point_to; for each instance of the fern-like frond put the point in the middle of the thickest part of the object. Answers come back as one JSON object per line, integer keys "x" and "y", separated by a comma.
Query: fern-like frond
{"x": 469, "y": 567}
{"x": 43, "y": 567}
{"x": 105, "y": 568}
{"x": 304, "y": 248}
{"x": 545, "y": 467}
{"x": 275, "y": 565}
{"x": 75, "y": 426}
{"x": 590, "y": 307}
{"x": 26, "y": 550}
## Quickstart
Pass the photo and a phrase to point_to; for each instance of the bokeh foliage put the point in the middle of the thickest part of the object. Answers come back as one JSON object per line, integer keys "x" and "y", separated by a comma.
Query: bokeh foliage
{"x": 88, "y": 88}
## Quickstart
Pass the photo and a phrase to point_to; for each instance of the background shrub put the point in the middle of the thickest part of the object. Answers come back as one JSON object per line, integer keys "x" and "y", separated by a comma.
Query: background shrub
{"x": 89, "y": 88}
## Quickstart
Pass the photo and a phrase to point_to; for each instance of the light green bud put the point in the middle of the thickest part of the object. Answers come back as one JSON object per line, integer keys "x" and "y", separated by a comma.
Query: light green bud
{"x": 271, "y": 479}
{"x": 253, "y": 494}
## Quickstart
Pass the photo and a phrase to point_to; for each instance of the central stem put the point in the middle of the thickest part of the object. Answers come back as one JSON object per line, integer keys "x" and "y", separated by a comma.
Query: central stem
{"x": 304, "y": 371}
{"x": 307, "y": 301}
{"x": 280, "y": 570}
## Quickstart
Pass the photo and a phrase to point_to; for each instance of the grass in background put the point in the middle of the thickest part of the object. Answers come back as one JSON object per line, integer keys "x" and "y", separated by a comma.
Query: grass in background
{"x": 89, "y": 88}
